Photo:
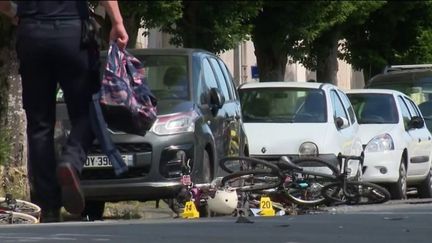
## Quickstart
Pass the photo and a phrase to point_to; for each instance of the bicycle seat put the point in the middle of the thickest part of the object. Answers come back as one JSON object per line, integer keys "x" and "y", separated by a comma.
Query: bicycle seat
{"x": 285, "y": 163}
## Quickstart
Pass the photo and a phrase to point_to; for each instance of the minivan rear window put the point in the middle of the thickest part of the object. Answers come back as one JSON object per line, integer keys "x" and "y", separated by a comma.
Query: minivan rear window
{"x": 419, "y": 88}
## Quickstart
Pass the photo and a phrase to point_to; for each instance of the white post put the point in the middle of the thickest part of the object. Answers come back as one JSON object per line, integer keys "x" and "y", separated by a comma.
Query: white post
{"x": 236, "y": 71}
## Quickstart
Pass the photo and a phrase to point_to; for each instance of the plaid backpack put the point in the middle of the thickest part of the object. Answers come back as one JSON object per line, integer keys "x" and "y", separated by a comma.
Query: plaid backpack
{"x": 123, "y": 103}
{"x": 127, "y": 103}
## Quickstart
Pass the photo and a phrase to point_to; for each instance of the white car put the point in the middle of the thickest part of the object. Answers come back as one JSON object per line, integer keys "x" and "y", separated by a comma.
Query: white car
{"x": 299, "y": 119}
{"x": 397, "y": 143}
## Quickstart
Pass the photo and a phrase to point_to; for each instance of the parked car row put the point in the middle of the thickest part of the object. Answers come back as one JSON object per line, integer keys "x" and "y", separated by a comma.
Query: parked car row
{"x": 314, "y": 119}
{"x": 202, "y": 118}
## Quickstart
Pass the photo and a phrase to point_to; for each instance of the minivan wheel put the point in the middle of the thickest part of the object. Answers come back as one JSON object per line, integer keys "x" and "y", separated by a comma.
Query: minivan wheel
{"x": 425, "y": 188}
{"x": 206, "y": 168}
{"x": 93, "y": 210}
{"x": 206, "y": 178}
{"x": 398, "y": 190}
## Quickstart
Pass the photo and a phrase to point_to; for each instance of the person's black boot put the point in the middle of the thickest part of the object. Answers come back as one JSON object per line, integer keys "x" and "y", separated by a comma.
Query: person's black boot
{"x": 50, "y": 216}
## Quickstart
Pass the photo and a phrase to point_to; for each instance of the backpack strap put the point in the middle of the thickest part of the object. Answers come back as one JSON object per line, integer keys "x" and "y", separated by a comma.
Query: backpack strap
{"x": 100, "y": 130}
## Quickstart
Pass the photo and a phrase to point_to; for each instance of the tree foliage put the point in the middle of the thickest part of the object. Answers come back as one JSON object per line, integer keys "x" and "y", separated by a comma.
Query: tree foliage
{"x": 215, "y": 26}
{"x": 321, "y": 54}
{"x": 143, "y": 14}
{"x": 396, "y": 33}
{"x": 347, "y": 15}
{"x": 285, "y": 28}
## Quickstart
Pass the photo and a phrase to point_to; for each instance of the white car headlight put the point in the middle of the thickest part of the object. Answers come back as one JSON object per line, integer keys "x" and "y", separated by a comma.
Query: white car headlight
{"x": 380, "y": 143}
{"x": 175, "y": 123}
{"x": 308, "y": 149}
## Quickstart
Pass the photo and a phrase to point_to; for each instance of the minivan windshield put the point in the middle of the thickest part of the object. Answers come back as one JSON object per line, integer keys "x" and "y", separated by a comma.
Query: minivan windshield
{"x": 374, "y": 108}
{"x": 283, "y": 105}
{"x": 167, "y": 75}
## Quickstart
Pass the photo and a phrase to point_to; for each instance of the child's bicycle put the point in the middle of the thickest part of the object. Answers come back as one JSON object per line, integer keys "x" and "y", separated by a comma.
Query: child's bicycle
{"x": 241, "y": 190}
{"x": 307, "y": 181}
{"x": 16, "y": 211}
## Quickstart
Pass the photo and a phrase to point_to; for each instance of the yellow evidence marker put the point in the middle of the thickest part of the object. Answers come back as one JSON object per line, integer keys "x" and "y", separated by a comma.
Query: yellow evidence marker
{"x": 190, "y": 211}
{"x": 266, "y": 207}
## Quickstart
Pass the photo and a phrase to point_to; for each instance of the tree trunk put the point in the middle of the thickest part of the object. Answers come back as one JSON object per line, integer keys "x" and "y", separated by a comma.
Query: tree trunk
{"x": 370, "y": 72}
{"x": 271, "y": 51}
{"x": 190, "y": 23}
{"x": 271, "y": 66}
{"x": 12, "y": 119}
{"x": 271, "y": 61}
{"x": 327, "y": 62}
{"x": 132, "y": 25}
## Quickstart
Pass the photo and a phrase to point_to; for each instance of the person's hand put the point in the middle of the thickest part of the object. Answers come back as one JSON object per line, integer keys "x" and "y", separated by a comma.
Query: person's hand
{"x": 15, "y": 20}
{"x": 118, "y": 33}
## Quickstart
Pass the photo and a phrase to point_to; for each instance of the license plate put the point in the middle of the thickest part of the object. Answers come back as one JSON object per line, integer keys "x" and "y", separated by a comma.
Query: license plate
{"x": 101, "y": 161}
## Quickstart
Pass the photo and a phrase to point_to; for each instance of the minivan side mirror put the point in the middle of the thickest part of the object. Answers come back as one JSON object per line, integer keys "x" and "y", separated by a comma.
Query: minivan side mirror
{"x": 217, "y": 100}
{"x": 341, "y": 122}
{"x": 416, "y": 122}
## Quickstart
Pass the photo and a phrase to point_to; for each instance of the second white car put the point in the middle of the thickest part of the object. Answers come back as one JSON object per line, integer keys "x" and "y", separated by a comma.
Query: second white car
{"x": 397, "y": 144}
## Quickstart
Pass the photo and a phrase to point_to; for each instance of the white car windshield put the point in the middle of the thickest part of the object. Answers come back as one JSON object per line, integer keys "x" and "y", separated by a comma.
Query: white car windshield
{"x": 283, "y": 105}
{"x": 374, "y": 108}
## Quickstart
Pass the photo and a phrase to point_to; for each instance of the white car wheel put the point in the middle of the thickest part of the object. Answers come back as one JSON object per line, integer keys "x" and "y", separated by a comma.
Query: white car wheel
{"x": 425, "y": 188}
{"x": 398, "y": 190}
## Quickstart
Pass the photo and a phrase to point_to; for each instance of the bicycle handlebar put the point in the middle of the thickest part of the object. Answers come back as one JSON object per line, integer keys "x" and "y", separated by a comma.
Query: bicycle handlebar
{"x": 350, "y": 157}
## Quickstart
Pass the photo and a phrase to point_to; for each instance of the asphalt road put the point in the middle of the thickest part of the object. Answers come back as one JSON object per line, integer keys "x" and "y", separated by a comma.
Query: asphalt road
{"x": 397, "y": 221}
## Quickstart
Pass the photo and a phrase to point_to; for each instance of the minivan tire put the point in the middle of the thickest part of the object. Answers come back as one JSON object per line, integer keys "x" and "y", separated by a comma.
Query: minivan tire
{"x": 93, "y": 210}
{"x": 206, "y": 178}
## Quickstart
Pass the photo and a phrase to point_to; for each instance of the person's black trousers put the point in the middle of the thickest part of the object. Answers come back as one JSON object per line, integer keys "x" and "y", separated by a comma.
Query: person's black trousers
{"x": 50, "y": 54}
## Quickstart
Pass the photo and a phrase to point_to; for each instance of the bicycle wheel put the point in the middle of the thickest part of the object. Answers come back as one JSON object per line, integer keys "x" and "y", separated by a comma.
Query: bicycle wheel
{"x": 9, "y": 217}
{"x": 359, "y": 192}
{"x": 20, "y": 206}
{"x": 242, "y": 163}
{"x": 304, "y": 187}
{"x": 252, "y": 180}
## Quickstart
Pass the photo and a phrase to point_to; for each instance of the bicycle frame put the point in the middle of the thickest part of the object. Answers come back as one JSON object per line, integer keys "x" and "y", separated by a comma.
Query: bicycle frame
{"x": 343, "y": 176}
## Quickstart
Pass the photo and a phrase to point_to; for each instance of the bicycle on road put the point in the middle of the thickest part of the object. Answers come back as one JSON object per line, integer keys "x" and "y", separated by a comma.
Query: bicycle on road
{"x": 16, "y": 211}
{"x": 306, "y": 181}
{"x": 352, "y": 192}
{"x": 284, "y": 181}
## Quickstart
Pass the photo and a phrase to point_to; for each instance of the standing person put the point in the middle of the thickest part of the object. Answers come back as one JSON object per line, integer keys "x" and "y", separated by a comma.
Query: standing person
{"x": 50, "y": 52}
